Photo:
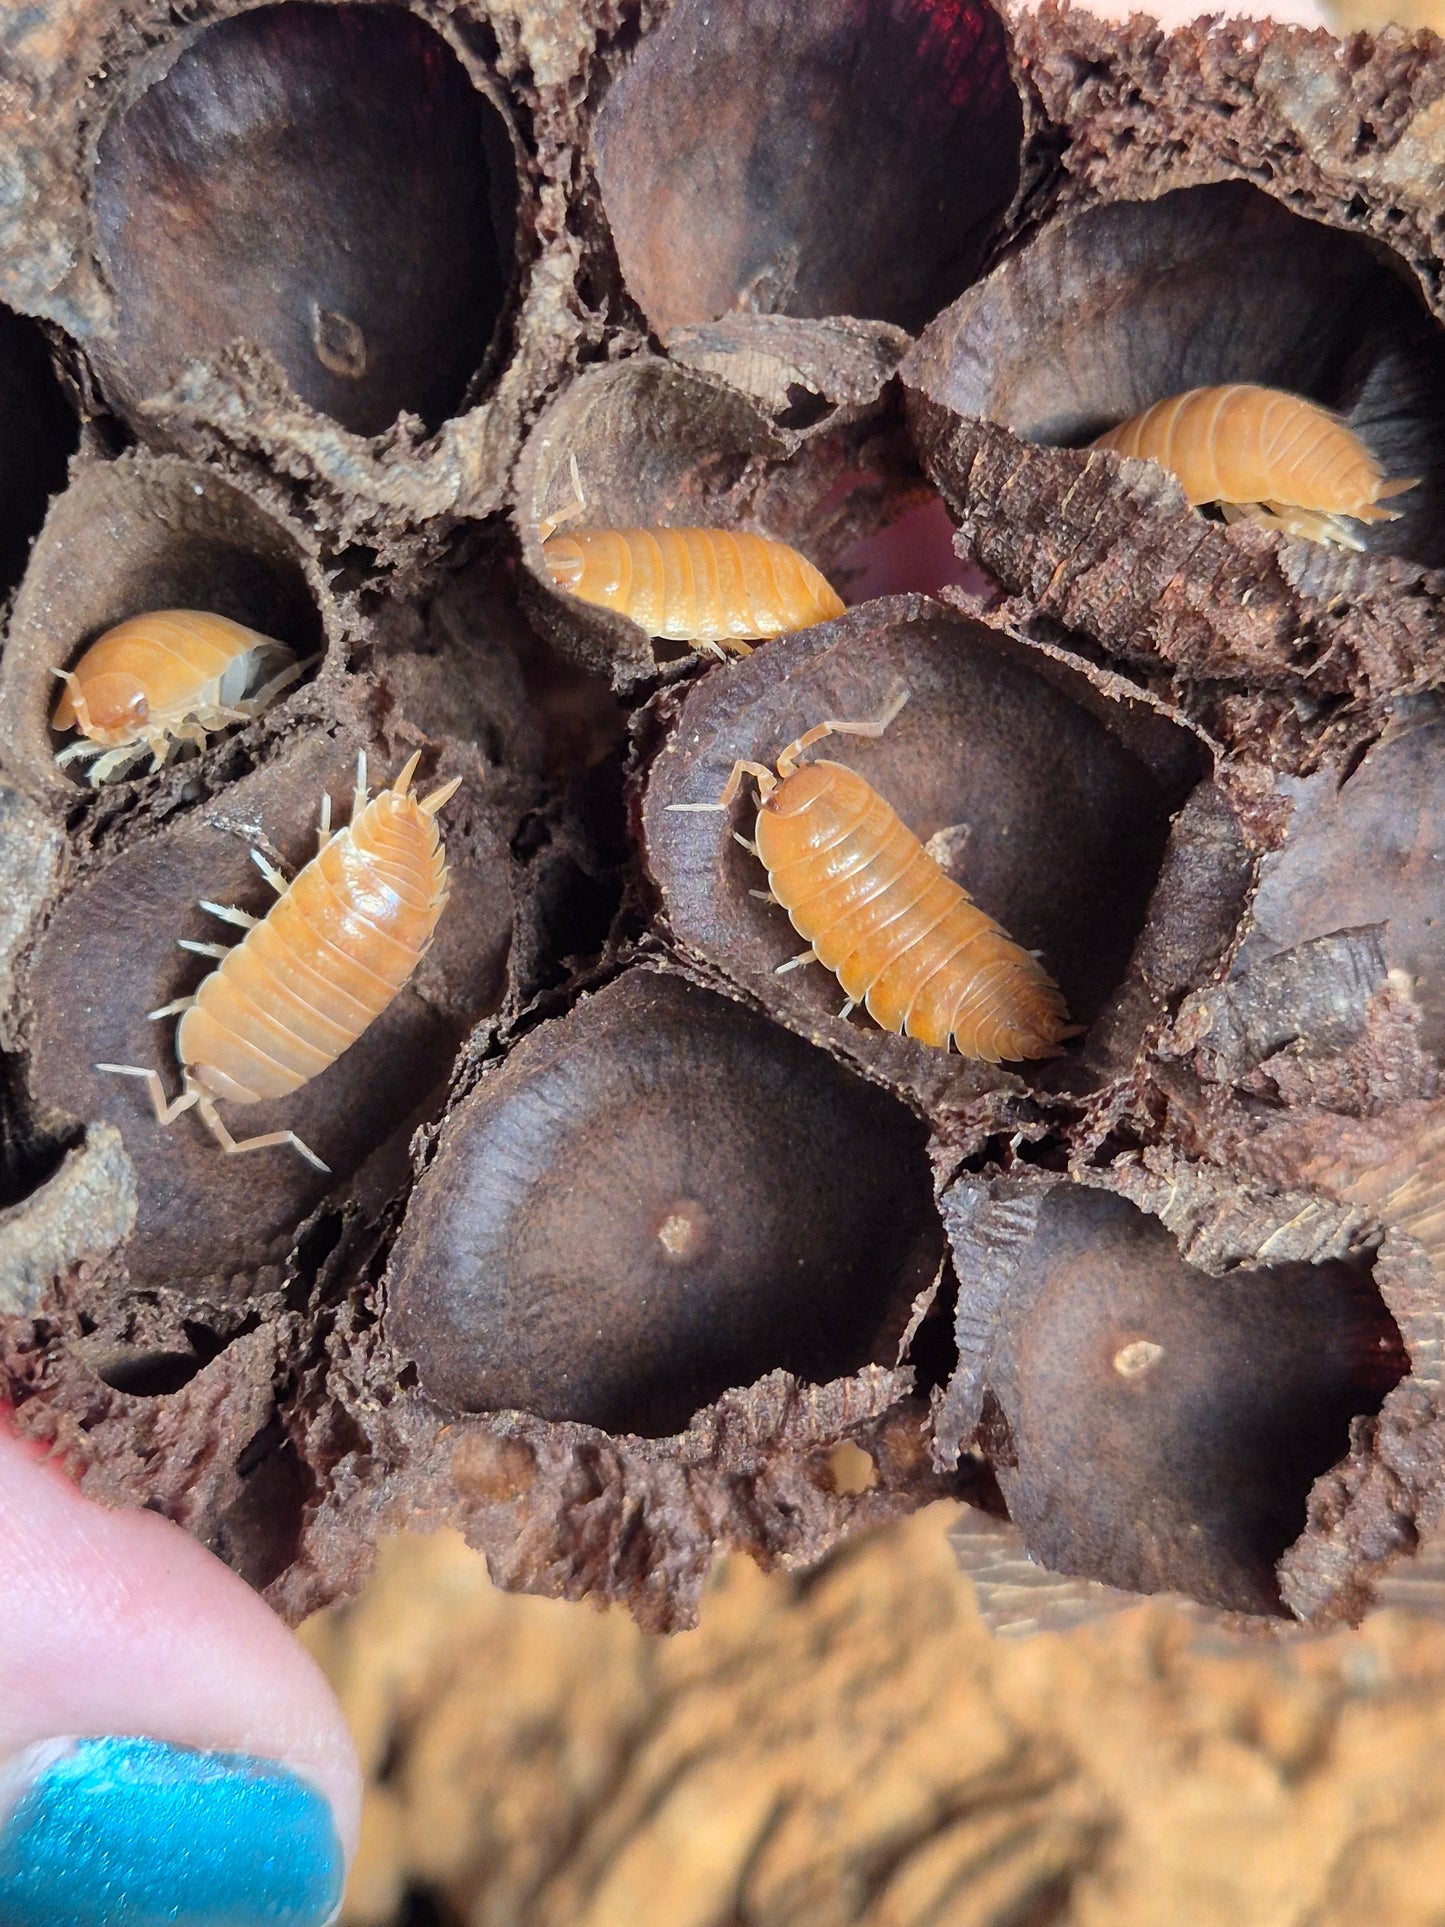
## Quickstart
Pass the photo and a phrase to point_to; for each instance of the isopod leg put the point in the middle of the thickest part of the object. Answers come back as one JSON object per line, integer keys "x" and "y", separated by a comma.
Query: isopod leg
{"x": 1333, "y": 531}
{"x": 77, "y": 700}
{"x": 766, "y": 781}
{"x": 112, "y": 762}
{"x": 165, "y": 1112}
{"x": 82, "y": 746}
{"x": 550, "y": 524}
{"x": 228, "y": 913}
{"x": 272, "y": 875}
{"x": 803, "y": 957}
{"x": 233, "y": 1147}
{"x": 788, "y": 760}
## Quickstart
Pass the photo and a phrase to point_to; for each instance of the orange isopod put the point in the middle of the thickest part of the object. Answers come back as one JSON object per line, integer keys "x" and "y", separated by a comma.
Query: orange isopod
{"x": 1264, "y": 456}
{"x": 165, "y": 678}
{"x": 901, "y": 936}
{"x": 324, "y": 962}
{"x": 709, "y": 587}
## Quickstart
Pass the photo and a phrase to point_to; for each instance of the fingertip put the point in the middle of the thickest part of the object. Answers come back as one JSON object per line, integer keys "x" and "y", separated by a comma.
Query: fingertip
{"x": 117, "y": 1623}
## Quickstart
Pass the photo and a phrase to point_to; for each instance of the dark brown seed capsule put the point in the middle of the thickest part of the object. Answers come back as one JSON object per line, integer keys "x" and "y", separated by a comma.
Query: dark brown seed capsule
{"x": 1152, "y": 1426}
{"x": 654, "y": 447}
{"x": 653, "y": 1200}
{"x": 134, "y": 535}
{"x": 1123, "y": 305}
{"x": 324, "y": 182}
{"x": 733, "y": 175}
{"x": 110, "y": 955}
{"x": 1035, "y": 804}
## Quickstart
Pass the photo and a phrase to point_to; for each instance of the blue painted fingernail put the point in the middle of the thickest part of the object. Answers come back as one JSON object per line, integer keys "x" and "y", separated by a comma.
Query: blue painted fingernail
{"x": 135, "y": 1833}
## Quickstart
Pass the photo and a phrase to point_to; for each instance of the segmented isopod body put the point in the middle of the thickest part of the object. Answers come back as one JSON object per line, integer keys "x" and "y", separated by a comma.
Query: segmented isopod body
{"x": 166, "y": 678}
{"x": 1264, "y": 456}
{"x": 708, "y": 587}
{"x": 900, "y": 935}
{"x": 324, "y": 962}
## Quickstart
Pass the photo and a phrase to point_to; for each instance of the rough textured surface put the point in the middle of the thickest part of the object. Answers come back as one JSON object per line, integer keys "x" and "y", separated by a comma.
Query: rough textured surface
{"x": 856, "y": 1748}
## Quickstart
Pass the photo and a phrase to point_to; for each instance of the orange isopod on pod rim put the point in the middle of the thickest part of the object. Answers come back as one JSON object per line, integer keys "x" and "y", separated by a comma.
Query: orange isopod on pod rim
{"x": 1264, "y": 455}
{"x": 902, "y": 938}
{"x": 168, "y": 677}
{"x": 324, "y": 962}
{"x": 716, "y": 589}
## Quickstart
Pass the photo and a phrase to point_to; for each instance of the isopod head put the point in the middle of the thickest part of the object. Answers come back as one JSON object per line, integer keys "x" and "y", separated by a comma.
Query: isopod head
{"x": 116, "y": 707}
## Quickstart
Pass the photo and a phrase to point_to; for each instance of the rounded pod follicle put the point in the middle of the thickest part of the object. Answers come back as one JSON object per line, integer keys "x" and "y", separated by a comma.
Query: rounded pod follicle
{"x": 733, "y": 177}
{"x": 653, "y": 1200}
{"x": 324, "y": 183}
{"x": 1152, "y": 1426}
{"x": 237, "y": 601}
{"x": 317, "y": 970}
{"x": 132, "y": 945}
{"x": 1126, "y": 305}
{"x": 662, "y": 512}
{"x": 1040, "y": 810}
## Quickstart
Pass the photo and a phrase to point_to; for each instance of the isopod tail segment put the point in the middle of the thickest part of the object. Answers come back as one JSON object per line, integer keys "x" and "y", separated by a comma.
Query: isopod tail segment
{"x": 193, "y": 1092}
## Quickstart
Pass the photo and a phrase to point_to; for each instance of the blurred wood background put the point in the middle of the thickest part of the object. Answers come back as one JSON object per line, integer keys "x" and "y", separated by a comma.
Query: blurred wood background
{"x": 853, "y": 1746}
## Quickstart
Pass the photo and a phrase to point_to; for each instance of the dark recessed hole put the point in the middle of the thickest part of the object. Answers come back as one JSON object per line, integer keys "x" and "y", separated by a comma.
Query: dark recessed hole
{"x": 152, "y": 1375}
{"x": 1166, "y": 1426}
{"x": 851, "y": 159}
{"x": 154, "y": 1372}
{"x": 1040, "y": 812}
{"x": 1133, "y": 302}
{"x": 657, "y": 1198}
{"x": 38, "y": 435}
{"x": 324, "y": 182}
{"x": 259, "y": 1532}
{"x": 1371, "y": 852}
{"x": 129, "y": 537}
{"x": 32, "y": 1145}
